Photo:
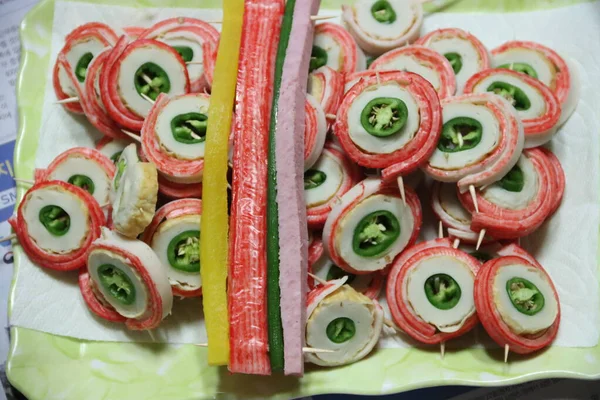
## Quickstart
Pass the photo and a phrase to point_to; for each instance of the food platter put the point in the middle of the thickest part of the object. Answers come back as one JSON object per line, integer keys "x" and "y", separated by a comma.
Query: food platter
{"x": 47, "y": 366}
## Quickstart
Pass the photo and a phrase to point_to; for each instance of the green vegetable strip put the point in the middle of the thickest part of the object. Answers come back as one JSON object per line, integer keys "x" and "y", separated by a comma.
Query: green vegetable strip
{"x": 273, "y": 291}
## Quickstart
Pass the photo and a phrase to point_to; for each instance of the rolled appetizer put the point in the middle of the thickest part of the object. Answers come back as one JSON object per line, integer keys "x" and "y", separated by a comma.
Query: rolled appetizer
{"x": 371, "y": 226}
{"x": 327, "y": 86}
{"x": 135, "y": 74}
{"x": 81, "y": 46}
{"x": 56, "y": 223}
{"x": 174, "y": 235}
{"x": 133, "y": 193}
{"x": 125, "y": 278}
{"x": 430, "y": 291}
{"x": 112, "y": 148}
{"x": 334, "y": 47}
{"x": 326, "y": 182}
{"x": 209, "y": 59}
{"x": 174, "y": 190}
{"x": 315, "y": 131}
{"x": 187, "y": 36}
{"x": 383, "y": 25}
{"x": 391, "y": 121}
{"x": 521, "y": 201}
{"x": 543, "y": 63}
{"x": 342, "y": 320}
{"x": 536, "y": 104}
{"x": 482, "y": 139}
{"x": 431, "y": 65}
{"x": 466, "y": 54}
{"x": 517, "y": 302}
{"x": 86, "y": 168}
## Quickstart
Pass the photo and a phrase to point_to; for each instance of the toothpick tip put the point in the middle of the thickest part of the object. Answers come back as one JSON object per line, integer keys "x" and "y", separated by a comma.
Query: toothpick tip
{"x": 480, "y": 239}
{"x": 506, "y": 350}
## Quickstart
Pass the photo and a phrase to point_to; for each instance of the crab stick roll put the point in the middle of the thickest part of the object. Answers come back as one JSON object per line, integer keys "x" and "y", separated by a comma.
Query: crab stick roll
{"x": 536, "y": 104}
{"x": 112, "y": 148}
{"x": 136, "y": 74}
{"x": 334, "y": 47}
{"x": 174, "y": 236}
{"x": 209, "y": 58}
{"x": 187, "y": 36}
{"x": 430, "y": 291}
{"x": 342, "y": 320}
{"x": 544, "y": 64}
{"x": 86, "y": 168}
{"x": 431, "y": 65}
{"x": 482, "y": 139}
{"x": 327, "y": 86}
{"x": 370, "y": 226}
{"x": 81, "y": 46}
{"x": 517, "y": 302}
{"x": 521, "y": 201}
{"x": 315, "y": 131}
{"x": 391, "y": 121}
{"x": 174, "y": 190}
{"x": 126, "y": 277}
{"x": 133, "y": 193}
{"x": 133, "y": 32}
{"x": 56, "y": 223}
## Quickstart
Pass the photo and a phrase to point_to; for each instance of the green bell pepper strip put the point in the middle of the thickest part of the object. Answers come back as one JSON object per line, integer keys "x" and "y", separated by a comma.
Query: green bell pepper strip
{"x": 84, "y": 182}
{"x": 514, "y": 180}
{"x": 183, "y": 251}
{"x": 459, "y": 134}
{"x": 314, "y": 178}
{"x": 375, "y": 233}
{"x": 522, "y": 68}
{"x": 115, "y": 157}
{"x": 55, "y": 219}
{"x": 185, "y": 52}
{"x": 455, "y": 60}
{"x": 189, "y": 128}
{"x": 82, "y": 66}
{"x": 515, "y": 95}
{"x": 383, "y": 12}
{"x": 384, "y": 116}
{"x": 341, "y": 330}
{"x": 117, "y": 283}
{"x": 525, "y": 296}
{"x": 151, "y": 80}
{"x": 318, "y": 58}
{"x": 442, "y": 291}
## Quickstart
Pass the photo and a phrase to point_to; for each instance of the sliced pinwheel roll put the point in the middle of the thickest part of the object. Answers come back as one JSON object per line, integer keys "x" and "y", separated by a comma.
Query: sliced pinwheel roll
{"x": 391, "y": 121}
{"x": 482, "y": 139}
{"x": 174, "y": 190}
{"x": 466, "y": 54}
{"x": 327, "y": 86}
{"x": 371, "y": 226}
{"x": 174, "y": 235}
{"x": 383, "y": 25}
{"x": 112, "y": 148}
{"x": 133, "y": 193}
{"x": 334, "y": 47}
{"x": 342, "y": 320}
{"x": 431, "y": 65}
{"x": 56, "y": 223}
{"x": 125, "y": 278}
{"x": 81, "y": 46}
{"x": 430, "y": 291}
{"x": 543, "y": 63}
{"x": 187, "y": 36}
{"x": 536, "y": 104}
{"x": 517, "y": 302}
{"x": 315, "y": 131}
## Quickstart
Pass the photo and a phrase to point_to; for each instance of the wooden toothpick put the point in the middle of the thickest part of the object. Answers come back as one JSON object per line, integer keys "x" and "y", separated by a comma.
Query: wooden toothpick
{"x": 480, "y": 238}
{"x": 401, "y": 187}
{"x": 67, "y": 100}
{"x": 474, "y": 197}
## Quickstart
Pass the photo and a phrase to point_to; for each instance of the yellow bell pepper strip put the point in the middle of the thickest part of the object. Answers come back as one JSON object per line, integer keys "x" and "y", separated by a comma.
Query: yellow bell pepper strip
{"x": 214, "y": 246}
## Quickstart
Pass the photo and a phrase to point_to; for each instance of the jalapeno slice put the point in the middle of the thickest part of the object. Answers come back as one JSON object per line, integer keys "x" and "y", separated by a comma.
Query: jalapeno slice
{"x": 189, "y": 128}
{"x": 383, "y": 12}
{"x": 525, "y": 296}
{"x": 375, "y": 233}
{"x": 455, "y": 61}
{"x": 384, "y": 116}
{"x": 370, "y": 60}
{"x": 185, "y": 52}
{"x": 481, "y": 256}
{"x": 318, "y": 58}
{"x": 515, "y": 95}
{"x": 151, "y": 80}
{"x": 84, "y": 182}
{"x": 115, "y": 157}
{"x": 82, "y": 66}
{"x": 121, "y": 164}
{"x": 460, "y": 134}
{"x": 117, "y": 283}
{"x": 514, "y": 180}
{"x": 336, "y": 272}
{"x": 183, "y": 251}
{"x": 314, "y": 178}
{"x": 522, "y": 68}
{"x": 442, "y": 291}
{"x": 55, "y": 219}
{"x": 341, "y": 330}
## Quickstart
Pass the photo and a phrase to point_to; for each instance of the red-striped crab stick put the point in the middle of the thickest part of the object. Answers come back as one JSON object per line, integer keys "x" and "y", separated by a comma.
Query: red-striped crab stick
{"x": 334, "y": 47}
{"x": 315, "y": 131}
{"x": 327, "y": 86}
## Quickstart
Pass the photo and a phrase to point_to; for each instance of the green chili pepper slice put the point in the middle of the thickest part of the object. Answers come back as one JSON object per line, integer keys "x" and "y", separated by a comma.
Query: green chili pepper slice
{"x": 185, "y": 52}
{"x": 336, "y": 272}
{"x": 525, "y": 296}
{"x": 117, "y": 283}
{"x": 115, "y": 157}
{"x": 442, "y": 291}
{"x": 455, "y": 60}
{"x": 383, "y": 12}
{"x": 375, "y": 233}
{"x": 84, "y": 182}
{"x": 481, "y": 256}
{"x": 82, "y": 66}
{"x": 370, "y": 61}
{"x": 522, "y": 68}
{"x": 121, "y": 164}
{"x": 189, "y": 128}
{"x": 384, "y": 116}
{"x": 515, "y": 95}
{"x": 341, "y": 330}
{"x": 55, "y": 219}
{"x": 314, "y": 178}
{"x": 183, "y": 251}
{"x": 151, "y": 80}
{"x": 514, "y": 180}
{"x": 318, "y": 58}
{"x": 460, "y": 134}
